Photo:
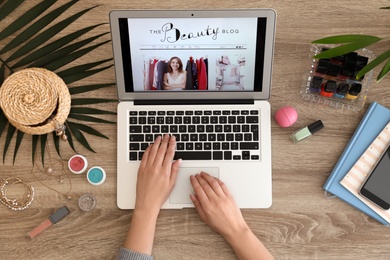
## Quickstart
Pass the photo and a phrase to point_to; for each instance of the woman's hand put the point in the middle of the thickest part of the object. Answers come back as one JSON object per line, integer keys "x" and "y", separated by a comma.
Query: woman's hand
{"x": 156, "y": 174}
{"x": 218, "y": 209}
{"x": 216, "y": 206}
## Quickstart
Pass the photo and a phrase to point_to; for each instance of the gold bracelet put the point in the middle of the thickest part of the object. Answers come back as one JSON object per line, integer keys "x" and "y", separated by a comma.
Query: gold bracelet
{"x": 14, "y": 203}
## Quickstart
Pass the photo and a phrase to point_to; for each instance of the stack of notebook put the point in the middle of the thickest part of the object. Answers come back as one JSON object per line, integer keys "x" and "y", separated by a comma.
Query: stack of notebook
{"x": 339, "y": 183}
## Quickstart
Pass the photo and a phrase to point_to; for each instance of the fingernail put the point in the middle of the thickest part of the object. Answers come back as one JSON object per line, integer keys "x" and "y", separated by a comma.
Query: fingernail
{"x": 173, "y": 138}
{"x": 179, "y": 161}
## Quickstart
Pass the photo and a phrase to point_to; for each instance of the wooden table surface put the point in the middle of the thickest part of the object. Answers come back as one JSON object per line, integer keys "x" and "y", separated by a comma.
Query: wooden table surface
{"x": 301, "y": 224}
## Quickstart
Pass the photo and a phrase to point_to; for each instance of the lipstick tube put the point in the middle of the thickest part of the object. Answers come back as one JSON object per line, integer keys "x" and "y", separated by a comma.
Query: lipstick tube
{"x": 52, "y": 219}
{"x": 306, "y": 131}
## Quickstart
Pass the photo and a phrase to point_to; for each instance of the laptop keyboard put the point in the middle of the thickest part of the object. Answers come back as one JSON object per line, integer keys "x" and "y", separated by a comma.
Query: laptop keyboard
{"x": 200, "y": 135}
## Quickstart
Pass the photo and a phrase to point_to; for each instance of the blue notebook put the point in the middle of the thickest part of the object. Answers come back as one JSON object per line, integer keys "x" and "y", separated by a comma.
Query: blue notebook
{"x": 373, "y": 122}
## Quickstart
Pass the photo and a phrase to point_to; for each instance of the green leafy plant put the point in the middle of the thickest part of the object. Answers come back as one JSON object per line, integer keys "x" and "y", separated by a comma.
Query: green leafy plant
{"x": 30, "y": 46}
{"x": 353, "y": 42}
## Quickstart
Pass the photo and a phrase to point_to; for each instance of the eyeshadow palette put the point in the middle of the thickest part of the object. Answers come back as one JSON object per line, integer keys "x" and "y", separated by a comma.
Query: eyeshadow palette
{"x": 333, "y": 81}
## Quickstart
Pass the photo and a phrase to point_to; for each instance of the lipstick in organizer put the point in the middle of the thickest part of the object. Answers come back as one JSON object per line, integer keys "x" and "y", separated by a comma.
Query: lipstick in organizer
{"x": 52, "y": 219}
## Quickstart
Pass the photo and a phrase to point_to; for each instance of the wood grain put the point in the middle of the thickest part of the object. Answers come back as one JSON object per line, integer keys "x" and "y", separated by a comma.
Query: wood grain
{"x": 301, "y": 224}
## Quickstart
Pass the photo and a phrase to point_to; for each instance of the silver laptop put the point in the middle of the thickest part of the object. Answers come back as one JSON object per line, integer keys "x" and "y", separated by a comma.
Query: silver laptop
{"x": 205, "y": 77}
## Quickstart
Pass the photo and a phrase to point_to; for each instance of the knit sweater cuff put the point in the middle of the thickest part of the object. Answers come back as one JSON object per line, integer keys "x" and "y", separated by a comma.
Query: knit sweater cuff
{"x": 127, "y": 254}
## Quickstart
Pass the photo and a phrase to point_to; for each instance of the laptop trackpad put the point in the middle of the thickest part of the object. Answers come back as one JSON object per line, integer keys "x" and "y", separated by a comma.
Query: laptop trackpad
{"x": 183, "y": 188}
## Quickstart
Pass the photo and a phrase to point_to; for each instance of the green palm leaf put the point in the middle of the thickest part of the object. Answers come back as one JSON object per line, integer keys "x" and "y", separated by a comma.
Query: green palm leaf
{"x": 64, "y": 60}
{"x": 45, "y": 35}
{"x": 35, "y": 27}
{"x": 87, "y": 110}
{"x": 35, "y": 139}
{"x": 8, "y": 7}
{"x": 42, "y": 52}
{"x": 44, "y": 61}
{"x": 90, "y": 119}
{"x": 83, "y": 74}
{"x": 33, "y": 47}
{"x": 19, "y": 138}
{"x": 378, "y": 60}
{"x": 87, "y": 129}
{"x": 56, "y": 140}
{"x": 79, "y": 136}
{"x": 43, "y": 148}
{"x": 353, "y": 43}
{"x": 70, "y": 139}
{"x": 86, "y": 88}
{"x": 89, "y": 101}
{"x": 25, "y": 18}
{"x": 10, "y": 134}
{"x": 81, "y": 68}
{"x": 3, "y": 122}
{"x": 384, "y": 71}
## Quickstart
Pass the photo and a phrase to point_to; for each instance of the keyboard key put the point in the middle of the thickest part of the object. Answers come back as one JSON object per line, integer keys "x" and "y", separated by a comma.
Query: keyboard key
{"x": 198, "y": 146}
{"x": 133, "y": 156}
{"x": 135, "y": 129}
{"x": 136, "y": 137}
{"x": 134, "y": 146}
{"x": 133, "y": 113}
{"x": 217, "y": 112}
{"x": 179, "y": 146}
{"x": 180, "y": 113}
{"x": 255, "y": 157}
{"x": 133, "y": 120}
{"x": 246, "y": 155}
{"x": 252, "y": 119}
{"x": 217, "y": 155}
{"x": 189, "y": 113}
{"x": 146, "y": 129}
{"x": 244, "y": 112}
{"x": 151, "y": 113}
{"x": 249, "y": 146}
{"x": 142, "y": 120}
{"x": 254, "y": 112}
{"x": 143, "y": 113}
{"x": 193, "y": 155}
{"x": 227, "y": 155}
{"x": 182, "y": 128}
{"x": 207, "y": 146}
{"x": 189, "y": 146}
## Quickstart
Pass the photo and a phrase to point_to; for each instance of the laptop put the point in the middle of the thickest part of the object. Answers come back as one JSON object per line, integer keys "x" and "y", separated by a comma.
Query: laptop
{"x": 205, "y": 77}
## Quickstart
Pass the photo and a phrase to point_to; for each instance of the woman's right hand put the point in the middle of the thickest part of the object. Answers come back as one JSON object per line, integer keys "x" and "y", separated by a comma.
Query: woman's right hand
{"x": 216, "y": 206}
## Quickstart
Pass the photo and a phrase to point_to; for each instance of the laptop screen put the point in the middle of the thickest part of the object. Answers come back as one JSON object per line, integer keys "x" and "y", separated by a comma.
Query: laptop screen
{"x": 194, "y": 54}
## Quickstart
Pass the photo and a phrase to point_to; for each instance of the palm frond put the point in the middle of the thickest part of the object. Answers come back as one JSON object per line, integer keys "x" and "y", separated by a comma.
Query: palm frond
{"x": 45, "y": 36}
{"x": 87, "y": 88}
{"x": 35, "y": 139}
{"x": 32, "y": 46}
{"x": 89, "y": 101}
{"x": 35, "y": 27}
{"x": 87, "y": 110}
{"x": 10, "y": 134}
{"x": 87, "y": 129}
{"x": 19, "y": 138}
{"x": 28, "y": 16}
{"x": 79, "y": 136}
{"x": 89, "y": 119}
{"x": 45, "y": 50}
{"x": 43, "y": 148}
{"x": 8, "y": 7}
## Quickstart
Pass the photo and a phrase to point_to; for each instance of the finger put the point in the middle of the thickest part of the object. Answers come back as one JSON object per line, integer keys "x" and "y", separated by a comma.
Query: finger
{"x": 208, "y": 190}
{"x": 145, "y": 157}
{"x": 154, "y": 149}
{"x": 223, "y": 187}
{"x": 198, "y": 207}
{"x": 170, "y": 152}
{"x": 162, "y": 150}
{"x": 213, "y": 183}
{"x": 199, "y": 192}
{"x": 174, "y": 172}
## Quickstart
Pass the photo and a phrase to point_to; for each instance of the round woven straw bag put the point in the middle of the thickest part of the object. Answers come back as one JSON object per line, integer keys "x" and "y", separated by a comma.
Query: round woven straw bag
{"x": 36, "y": 101}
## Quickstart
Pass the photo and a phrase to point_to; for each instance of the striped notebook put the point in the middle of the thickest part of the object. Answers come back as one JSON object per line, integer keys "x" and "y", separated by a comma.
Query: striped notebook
{"x": 355, "y": 178}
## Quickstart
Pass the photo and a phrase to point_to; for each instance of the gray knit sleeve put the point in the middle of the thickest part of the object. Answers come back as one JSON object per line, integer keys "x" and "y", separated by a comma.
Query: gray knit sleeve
{"x": 127, "y": 254}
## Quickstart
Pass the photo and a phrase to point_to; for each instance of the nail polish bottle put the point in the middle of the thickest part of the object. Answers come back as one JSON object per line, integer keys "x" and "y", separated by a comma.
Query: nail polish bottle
{"x": 306, "y": 131}
{"x": 329, "y": 88}
{"x": 315, "y": 84}
{"x": 354, "y": 91}
{"x": 342, "y": 90}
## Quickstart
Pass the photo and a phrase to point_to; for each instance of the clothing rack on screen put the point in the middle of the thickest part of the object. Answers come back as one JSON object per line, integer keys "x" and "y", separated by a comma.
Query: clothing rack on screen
{"x": 196, "y": 73}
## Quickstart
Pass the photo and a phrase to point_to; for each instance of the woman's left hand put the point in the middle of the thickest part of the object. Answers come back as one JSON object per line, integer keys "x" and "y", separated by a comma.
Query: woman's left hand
{"x": 157, "y": 174}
